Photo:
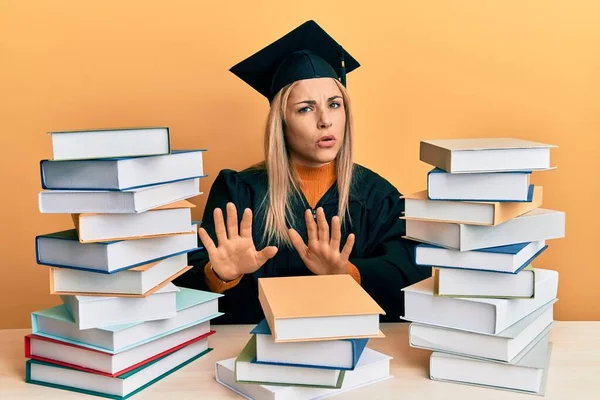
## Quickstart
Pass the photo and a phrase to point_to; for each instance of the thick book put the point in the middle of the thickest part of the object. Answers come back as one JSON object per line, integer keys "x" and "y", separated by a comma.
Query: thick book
{"x": 107, "y": 364}
{"x": 194, "y": 307}
{"x": 418, "y": 207}
{"x": 118, "y": 388}
{"x": 122, "y": 173}
{"x": 490, "y": 186}
{"x": 319, "y": 307}
{"x": 103, "y": 143}
{"x": 372, "y": 368}
{"x": 265, "y": 374}
{"x": 135, "y": 282}
{"x": 171, "y": 219}
{"x": 527, "y": 374}
{"x": 63, "y": 249}
{"x": 481, "y": 315}
{"x": 504, "y": 259}
{"x": 95, "y": 311}
{"x": 504, "y": 346}
{"x": 116, "y": 202}
{"x": 450, "y": 282}
{"x": 486, "y": 155}
{"x": 538, "y": 224}
{"x": 337, "y": 354}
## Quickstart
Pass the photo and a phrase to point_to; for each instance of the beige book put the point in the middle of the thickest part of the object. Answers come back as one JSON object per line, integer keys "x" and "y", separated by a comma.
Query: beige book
{"x": 321, "y": 307}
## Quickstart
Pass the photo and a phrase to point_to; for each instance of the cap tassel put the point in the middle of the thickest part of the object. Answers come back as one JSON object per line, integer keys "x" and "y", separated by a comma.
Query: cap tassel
{"x": 342, "y": 67}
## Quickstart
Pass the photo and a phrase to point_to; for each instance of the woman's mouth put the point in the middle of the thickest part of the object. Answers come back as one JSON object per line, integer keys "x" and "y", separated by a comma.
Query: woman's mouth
{"x": 326, "y": 141}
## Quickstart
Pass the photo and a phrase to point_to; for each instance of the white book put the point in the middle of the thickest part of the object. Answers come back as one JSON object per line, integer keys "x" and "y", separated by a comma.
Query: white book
{"x": 94, "y": 311}
{"x": 504, "y": 346}
{"x": 538, "y": 224}
{"x": 116, "y": 202}
{"x": 506, "y": 259}
{"x": 171, "y": 219}
{"x": 373, "y": 367}
{"x": 43, "y": 349}
{"x": 486, "y": 155}
{"x": 527, "y": 374}
{"x": 63, "y": 249}
{"x": 46, "y": 374}
{"x": 491, "y": 186}
{"x": 122, "y": 173}
{"x": 103, "y": 143}
{"x": 140, "y": 281}
{"x": 480, "y": 315}
{"x": 468, "y": 283}
{"x": 193, "y": 307}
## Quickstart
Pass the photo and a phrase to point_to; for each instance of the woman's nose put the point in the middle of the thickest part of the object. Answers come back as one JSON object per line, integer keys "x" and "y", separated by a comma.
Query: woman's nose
{"x": 324, "y": 121}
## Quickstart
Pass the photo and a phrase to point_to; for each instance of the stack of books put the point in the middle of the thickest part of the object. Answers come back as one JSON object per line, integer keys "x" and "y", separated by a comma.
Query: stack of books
{"x": 486, "y": 312}
{"x": 123, "y": 324}
{"x": 312, "y": 342}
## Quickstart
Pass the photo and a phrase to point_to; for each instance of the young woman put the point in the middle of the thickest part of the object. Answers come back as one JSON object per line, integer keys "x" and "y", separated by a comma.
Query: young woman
{"x": 307, "y": 209}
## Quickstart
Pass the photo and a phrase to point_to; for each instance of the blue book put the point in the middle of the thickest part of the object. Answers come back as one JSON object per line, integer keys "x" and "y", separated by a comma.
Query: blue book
{"x": 119, "y": 387}
{"x": 341, "y": 354}
{"x": 194, "y": 307}
{"x": 504, "y": 259}
{"x": 122, "y": 173}
{"x": 63, "y": 249}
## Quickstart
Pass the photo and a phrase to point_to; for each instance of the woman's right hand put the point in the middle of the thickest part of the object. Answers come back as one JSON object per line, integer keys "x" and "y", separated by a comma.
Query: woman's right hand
{"x": 236, "y": 254}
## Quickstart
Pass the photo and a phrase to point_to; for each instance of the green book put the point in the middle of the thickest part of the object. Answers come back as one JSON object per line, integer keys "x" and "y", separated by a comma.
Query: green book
{"x": 248, "y": 371}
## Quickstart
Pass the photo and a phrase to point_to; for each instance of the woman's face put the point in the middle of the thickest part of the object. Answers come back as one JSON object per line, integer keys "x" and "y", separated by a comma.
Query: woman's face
{"x": 316, "y": 122}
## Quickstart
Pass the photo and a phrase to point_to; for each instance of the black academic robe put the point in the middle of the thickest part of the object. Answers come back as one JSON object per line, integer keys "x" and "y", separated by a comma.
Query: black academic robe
{"x": 385, "y": 260}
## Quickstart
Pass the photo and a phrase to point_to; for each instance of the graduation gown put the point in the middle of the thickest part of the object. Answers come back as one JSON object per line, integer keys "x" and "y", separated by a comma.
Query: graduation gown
{"x": 384, "y": 259}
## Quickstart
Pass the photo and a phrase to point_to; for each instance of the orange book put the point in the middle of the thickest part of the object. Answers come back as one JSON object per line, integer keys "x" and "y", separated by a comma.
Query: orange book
{"x": 321, "y": 307}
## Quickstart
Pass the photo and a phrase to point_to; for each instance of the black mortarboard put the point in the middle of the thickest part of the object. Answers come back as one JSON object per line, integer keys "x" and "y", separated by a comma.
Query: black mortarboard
{"x": 304, "y": 53}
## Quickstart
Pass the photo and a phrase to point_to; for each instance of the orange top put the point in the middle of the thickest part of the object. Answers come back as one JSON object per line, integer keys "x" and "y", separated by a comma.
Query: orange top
{"x": 314, "y": 182}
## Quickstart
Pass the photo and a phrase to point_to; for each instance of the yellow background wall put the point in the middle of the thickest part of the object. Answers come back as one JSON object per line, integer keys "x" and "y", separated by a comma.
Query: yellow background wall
{"x": 430, "y": 69}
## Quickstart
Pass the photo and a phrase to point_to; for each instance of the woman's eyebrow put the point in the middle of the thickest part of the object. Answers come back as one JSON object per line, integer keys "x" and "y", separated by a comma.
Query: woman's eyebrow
{"x": 311, "y": 102}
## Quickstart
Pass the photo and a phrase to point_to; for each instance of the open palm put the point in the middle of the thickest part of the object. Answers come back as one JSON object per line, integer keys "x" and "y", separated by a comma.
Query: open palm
{"x": 236, "y": 253}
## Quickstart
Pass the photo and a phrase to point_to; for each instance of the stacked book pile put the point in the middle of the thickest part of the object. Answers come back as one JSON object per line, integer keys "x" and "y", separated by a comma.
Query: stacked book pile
{"x": 486, "y": 312}
{"x": 312, "y": 342}
{"x": 123, "y": 324}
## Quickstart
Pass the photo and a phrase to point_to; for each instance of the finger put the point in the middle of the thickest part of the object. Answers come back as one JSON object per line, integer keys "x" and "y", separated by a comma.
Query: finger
{"x": 336, "y": 233}
{"x": 297, "y": 242}
{"x": 345, "y": 254}
{"x": 265, "y": 255}
{"x": 219, "y": 226}
{"x": 246, "y": 225}
{"x": 232, "y": 221}
{"x": 311, "y": 227}
{"x": 207, "y": 242}
{"x": 322, "y": 226}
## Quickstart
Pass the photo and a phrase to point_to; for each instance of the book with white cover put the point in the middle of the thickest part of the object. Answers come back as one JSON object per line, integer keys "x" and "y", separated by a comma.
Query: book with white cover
{"x": 193, "y": 307}
{"x": 491, "y": 186}
{"x": 468, "y": 283}
{"x": 116, "y": 202}
{"x": 528, "y": 373}
{"x": 135, "y": 282}
{"x": 481, "y": 315}
{"x": 171, "y": 219}
{"x": 93, "y": 311}
{"x": 486, "y": 155}
{"x": 504, "y": 346}
{"x": 63, "y": 249}
{"x": 121, "y": 173}
{"x": 102, "y": 143}
{"x": 538, "y": 224}
{"x": 504, "y": 259}
{"x": 373, "y": 367}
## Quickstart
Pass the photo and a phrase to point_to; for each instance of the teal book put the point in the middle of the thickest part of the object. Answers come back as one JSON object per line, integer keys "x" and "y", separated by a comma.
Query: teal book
{"x": 120, "y": 387}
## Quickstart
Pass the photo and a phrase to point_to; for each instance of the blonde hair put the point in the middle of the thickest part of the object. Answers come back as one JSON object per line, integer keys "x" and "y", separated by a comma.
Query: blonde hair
{"x": 283, "y": 180}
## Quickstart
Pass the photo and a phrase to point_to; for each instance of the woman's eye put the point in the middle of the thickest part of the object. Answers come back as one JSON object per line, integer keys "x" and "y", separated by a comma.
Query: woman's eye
{"x": 335, "y": 105}
{"x": 303, "y": 110}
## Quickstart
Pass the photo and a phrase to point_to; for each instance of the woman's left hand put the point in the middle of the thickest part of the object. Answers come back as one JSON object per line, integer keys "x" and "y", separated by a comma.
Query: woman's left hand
{"x": 322, "y": 255}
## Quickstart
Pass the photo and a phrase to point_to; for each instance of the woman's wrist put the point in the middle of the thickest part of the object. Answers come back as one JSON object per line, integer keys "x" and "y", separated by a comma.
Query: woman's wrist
{"x": 223, "y": 279}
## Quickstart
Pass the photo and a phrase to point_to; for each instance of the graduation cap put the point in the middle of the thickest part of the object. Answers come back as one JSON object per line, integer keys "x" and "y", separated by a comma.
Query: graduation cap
{"x": 304, "y": 53}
